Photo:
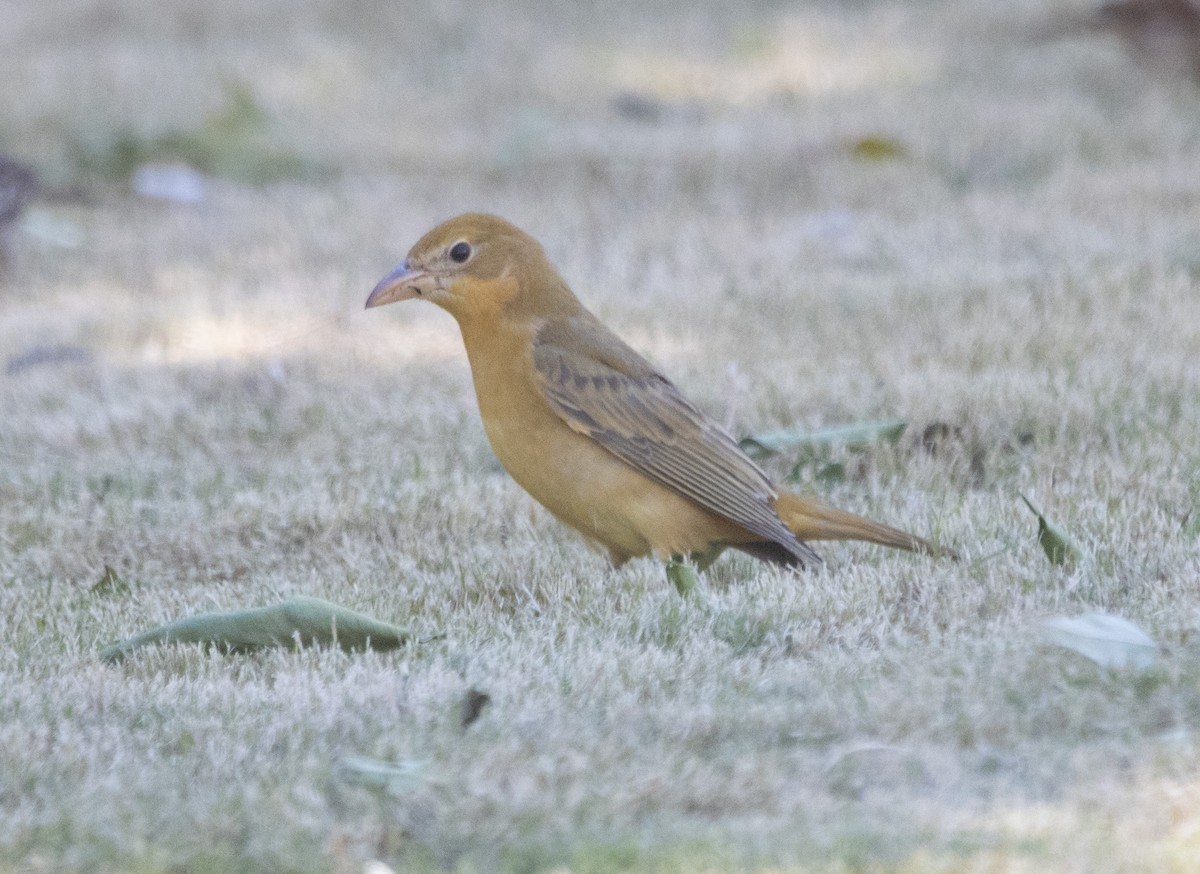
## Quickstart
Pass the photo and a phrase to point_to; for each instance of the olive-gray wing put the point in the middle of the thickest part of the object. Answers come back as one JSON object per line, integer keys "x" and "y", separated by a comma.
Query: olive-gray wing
{"x": 603, "y": 389}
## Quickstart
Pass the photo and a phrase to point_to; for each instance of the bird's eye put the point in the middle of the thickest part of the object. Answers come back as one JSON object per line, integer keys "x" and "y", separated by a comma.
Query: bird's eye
{"x": 460, "y": 252}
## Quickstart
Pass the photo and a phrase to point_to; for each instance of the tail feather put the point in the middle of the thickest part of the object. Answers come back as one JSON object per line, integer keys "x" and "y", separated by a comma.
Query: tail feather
{"x": 811, "y": 520}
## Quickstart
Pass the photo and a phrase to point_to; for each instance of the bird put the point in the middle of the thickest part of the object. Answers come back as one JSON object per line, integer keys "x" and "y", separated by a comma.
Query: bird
{"x": 591, "y": 429}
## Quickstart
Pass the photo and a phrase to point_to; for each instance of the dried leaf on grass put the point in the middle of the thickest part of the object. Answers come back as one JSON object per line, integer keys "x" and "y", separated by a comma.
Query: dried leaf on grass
{"x": 472, "y": 706}
{"x": 297, "y": 621}
{"x": 1110, "y": 641}
{"x": 396, "y": 778}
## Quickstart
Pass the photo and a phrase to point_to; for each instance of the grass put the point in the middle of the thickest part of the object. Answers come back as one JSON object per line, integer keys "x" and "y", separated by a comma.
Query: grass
{"x": 1012, "y": 263}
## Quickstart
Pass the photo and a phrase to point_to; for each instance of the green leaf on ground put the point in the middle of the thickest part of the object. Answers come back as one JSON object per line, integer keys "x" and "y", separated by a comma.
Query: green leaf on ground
{"x": 852, "y": 436}
{"x": 297, "y": 621}
{"x": 1055, "y": 543}
{"x": 682, "y": 576}
{"x": 1110, "y": 641}
{"x": 832, "y": 473}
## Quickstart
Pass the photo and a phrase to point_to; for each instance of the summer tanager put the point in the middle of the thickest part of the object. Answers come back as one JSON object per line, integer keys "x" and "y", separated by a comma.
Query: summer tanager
{"x": 592, "y": 430}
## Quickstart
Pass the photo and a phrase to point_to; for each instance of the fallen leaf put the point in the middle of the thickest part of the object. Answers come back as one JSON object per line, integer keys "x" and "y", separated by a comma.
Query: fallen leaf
{"x": 831, "y": 473}
{"x": 1055, "y": 543}
{"x": 877, "y": 148}
{"x": 852, "y": 436}
{"x": 397, "y": 778}
{"x": 300, "y": 620}
{"x": 1110, "y": 641}
{"x": 472, "y": 706}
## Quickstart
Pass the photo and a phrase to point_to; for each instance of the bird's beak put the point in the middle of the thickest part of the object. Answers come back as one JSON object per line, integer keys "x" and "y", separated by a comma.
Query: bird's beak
{"x": 403, "y": 283}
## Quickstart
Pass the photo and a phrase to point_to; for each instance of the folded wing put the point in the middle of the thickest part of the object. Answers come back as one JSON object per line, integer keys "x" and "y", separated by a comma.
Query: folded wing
{"x": 603, "y": 389}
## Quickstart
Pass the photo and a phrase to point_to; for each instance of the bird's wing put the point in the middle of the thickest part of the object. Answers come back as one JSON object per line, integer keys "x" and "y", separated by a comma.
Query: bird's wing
{"x": 603, "y": 389}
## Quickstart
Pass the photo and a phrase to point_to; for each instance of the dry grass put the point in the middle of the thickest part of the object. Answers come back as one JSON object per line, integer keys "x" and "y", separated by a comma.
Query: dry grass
{"x": 1028, "y": 270}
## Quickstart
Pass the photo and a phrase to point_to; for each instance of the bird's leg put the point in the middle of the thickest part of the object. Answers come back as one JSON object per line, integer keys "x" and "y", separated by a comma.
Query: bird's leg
{"x": 703, "y": 560}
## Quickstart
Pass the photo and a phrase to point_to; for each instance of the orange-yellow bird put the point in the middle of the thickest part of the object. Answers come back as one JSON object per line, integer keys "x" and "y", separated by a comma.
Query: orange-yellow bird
{"x": 589, "y": 427}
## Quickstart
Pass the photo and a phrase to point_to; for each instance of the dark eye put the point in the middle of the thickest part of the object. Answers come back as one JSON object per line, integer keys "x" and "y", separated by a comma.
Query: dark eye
{"x": 460, "y": 252}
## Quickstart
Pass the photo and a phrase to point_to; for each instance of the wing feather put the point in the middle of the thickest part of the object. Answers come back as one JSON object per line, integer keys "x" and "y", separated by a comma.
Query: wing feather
{"x": 603, "y": 389}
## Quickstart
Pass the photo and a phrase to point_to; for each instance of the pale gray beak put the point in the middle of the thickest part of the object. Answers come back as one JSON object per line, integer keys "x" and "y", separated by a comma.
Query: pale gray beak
{"x": 403, "y": 283}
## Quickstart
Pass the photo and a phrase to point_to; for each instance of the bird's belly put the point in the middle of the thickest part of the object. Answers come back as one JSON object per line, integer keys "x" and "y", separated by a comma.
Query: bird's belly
{"x": 598, "y": 494}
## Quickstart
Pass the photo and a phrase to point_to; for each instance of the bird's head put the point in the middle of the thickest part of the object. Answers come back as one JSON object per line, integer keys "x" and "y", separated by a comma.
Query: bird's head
{"x": 475, "y": 265}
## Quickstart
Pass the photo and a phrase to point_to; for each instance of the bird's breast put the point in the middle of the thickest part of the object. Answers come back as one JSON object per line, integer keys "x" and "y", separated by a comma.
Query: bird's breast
{"x": 570, "y": 474}
{"x": 578, "y": 480}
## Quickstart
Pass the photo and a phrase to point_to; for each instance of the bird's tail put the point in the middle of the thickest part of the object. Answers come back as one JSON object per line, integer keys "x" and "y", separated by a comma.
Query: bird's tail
{"x": 811, "y": 520}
